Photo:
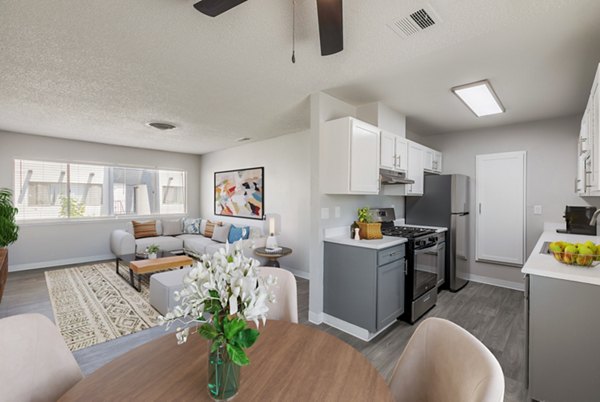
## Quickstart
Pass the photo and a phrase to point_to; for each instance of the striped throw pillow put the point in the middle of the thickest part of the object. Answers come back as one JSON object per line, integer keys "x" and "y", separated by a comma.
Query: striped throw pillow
{"x": 144, "y": 229}
{"x": 210, "y": 228}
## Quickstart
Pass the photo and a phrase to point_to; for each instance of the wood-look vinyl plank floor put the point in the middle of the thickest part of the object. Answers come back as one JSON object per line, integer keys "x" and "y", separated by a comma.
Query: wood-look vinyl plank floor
{"x": 494, "y": 315}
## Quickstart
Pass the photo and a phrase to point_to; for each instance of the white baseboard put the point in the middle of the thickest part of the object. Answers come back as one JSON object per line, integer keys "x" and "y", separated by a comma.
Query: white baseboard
{"x": 57, "y": 263}
{"x": 352, "y": 329}
{"x": 496, "y": 282}
{"x": 298, "y": 273}
{"x": 315, "y": 318}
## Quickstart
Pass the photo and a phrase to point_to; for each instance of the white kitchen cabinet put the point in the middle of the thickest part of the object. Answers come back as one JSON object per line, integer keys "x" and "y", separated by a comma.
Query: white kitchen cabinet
{"x": 437, "y": 162}
{"x": 415, "y": 169}
{"x": 393, "y": 151}
{"x": 387, "y": 151}
{"x": 587, "y": 182}
{"x": 349, "y": 157}
{"x": 401, "y": 154}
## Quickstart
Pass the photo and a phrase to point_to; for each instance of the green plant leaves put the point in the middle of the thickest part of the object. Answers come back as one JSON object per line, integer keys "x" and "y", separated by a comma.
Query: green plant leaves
{"x": 232, "y": 327}
{"x": 246, "y": 338}
{"x": 208, "y": 331}
{"x": 9, "y": 231}
{"x": 237, "y": 355}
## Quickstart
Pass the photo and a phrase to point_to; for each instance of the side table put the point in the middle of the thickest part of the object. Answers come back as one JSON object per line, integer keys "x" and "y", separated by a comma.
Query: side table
{"x": 272, "y": 256}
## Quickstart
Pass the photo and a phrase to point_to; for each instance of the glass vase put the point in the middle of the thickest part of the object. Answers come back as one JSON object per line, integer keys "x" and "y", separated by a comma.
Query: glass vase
{"x": 223, "y": 375}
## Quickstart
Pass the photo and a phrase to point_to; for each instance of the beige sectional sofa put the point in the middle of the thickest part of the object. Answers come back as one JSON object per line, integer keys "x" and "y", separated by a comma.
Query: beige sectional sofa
{"x": 122, "y": 241}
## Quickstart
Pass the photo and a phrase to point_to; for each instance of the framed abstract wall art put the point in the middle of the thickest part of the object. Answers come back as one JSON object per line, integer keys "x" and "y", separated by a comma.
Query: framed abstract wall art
{"x": 240, "y": 193}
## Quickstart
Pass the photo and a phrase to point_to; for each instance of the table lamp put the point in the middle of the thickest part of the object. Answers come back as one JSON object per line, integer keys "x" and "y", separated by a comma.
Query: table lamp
{"x": 272, "y": 239}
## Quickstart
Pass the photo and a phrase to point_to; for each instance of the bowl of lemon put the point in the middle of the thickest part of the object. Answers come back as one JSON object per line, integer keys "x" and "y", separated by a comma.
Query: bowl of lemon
{"x": 580, "y": 254}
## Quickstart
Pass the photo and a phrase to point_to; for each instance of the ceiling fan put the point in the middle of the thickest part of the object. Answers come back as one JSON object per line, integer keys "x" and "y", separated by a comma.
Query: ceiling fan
{"x": 331, "y": 31}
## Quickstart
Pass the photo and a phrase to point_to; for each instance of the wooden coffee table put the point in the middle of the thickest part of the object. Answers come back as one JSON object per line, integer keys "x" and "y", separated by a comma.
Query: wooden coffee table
{"x": 149, "y": 266}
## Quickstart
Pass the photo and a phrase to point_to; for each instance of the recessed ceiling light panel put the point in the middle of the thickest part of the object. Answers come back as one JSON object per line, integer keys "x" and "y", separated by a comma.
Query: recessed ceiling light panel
{"x": 480, "y": 98}
{"x": 161, "y": 125}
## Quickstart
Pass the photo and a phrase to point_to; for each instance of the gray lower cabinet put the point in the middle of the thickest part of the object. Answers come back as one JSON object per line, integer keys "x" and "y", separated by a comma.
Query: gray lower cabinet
{"x": 363, "y": 286}
{"x": 564, "y": 340}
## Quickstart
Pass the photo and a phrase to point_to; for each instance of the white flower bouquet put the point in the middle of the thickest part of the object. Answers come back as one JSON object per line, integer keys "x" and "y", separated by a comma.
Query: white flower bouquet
{"x": 221, "y": 293}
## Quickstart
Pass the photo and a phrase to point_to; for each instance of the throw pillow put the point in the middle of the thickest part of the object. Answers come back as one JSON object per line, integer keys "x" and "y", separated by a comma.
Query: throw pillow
{"x": 144, "y": 229}
{"x": 238, "y": 233}
{"x": 191, "y": 225}
{"x": 221, "y": 233}
{"x": 171, "y": 227}
{"x": 209, "y": 229}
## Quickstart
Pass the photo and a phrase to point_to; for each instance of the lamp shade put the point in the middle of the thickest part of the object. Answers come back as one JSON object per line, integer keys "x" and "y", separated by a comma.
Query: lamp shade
{"x": 272, "y": 224}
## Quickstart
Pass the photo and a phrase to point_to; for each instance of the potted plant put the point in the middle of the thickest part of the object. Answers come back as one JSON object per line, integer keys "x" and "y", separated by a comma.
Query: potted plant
{"x": 367, "y": 228}
{"x": 9, "y": 232}
{"x": 221, "y": 294}
{"x": 152, "y": 251}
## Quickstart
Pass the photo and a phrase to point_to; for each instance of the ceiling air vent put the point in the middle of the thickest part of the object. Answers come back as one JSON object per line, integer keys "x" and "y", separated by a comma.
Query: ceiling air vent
{"x": 415, "y": 22}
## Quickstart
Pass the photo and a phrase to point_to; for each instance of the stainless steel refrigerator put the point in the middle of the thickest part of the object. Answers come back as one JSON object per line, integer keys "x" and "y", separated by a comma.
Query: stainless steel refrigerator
{"x": 445, "y": 202}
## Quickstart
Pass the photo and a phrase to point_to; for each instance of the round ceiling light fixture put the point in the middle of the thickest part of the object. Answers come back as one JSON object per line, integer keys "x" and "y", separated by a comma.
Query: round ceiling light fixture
{"x": 161, "y": 125}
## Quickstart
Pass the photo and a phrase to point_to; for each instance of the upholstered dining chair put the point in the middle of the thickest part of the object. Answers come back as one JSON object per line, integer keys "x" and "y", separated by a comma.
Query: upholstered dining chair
{"x": 35, "y": 363}
{"x": 286, "y": 295}
{"x": 442, "y": 362}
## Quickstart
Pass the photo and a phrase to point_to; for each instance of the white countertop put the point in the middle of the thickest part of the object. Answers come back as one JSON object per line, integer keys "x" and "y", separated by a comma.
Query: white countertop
{"x": 546, "y": 265}
{"x": 376, "y": 244}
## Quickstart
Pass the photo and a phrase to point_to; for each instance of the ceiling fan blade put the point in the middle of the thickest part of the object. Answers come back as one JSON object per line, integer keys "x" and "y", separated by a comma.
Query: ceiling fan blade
{"x": 213, "y": 8}
{"x": 331, "y": 30}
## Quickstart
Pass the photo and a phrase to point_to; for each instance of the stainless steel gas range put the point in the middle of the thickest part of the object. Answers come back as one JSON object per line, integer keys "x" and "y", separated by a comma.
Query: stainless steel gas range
{"x": 425, "y": 257}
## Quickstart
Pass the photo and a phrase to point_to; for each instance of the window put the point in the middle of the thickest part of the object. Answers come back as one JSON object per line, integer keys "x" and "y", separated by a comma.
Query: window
{"x": 50, "y": 190}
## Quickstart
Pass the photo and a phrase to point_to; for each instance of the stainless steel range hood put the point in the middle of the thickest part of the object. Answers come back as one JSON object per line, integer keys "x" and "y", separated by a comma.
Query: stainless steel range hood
{"x": 392, "y": 177}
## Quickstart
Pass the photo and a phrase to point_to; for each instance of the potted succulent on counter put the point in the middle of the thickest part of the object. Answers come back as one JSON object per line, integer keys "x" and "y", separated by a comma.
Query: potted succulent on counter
{"x": 367, "y": 228}
{"x": 9, "y": 232}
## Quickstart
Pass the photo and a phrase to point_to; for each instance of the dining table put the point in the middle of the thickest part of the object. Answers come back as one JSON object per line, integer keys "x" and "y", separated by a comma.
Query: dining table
{"x": 288, "y": 362}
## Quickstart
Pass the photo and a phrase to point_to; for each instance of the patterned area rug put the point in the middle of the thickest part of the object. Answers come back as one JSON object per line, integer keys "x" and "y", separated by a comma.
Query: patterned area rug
{"x": 93, "y": 304}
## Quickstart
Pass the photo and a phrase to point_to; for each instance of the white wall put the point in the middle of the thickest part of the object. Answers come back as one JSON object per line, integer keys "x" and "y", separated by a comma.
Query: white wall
{"x": 551, "y": 147}
{"x": 287, "y": 188}
{"x": 48, "y": 244}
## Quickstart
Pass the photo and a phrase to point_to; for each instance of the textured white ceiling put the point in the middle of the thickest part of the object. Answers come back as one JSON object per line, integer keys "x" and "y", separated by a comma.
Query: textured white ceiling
{"x": 98, "y": 71}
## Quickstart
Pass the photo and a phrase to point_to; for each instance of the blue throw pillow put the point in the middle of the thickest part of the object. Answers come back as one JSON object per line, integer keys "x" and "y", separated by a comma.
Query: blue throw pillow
{"x": 238, "y": 233}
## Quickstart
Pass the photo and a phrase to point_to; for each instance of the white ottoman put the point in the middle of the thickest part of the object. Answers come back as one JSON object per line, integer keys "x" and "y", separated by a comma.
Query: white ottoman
{"x": 162, "y": 287}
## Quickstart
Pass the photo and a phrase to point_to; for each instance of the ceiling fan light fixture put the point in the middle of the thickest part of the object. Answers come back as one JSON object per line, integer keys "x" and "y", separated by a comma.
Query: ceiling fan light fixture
{"x": 480, "y": 98}
{"x": 212, "y": 8}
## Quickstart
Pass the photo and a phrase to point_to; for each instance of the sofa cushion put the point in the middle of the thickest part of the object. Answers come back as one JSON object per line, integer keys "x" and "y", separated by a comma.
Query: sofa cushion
{"x": 144, "y": 229}
{"x": 165, "y": 243}
{"x": 221, "y": 233}
{"x": 195, "y": 244}
{"x": 213, "y": 248}
{"x": 238, "y": 233}
{"x": 172, "y": 227}
{"x": 163, "y": 287}
{"x": 191, "y": 225}
{"x": 210, "y": 228}
{"x": 129, "y": 227}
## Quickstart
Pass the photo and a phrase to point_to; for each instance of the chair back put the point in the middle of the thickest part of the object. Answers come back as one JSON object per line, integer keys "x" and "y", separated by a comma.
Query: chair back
{"x": 442, "y": 362}
{"x": 286, "y": 295}
{"x": 35, "y": 363}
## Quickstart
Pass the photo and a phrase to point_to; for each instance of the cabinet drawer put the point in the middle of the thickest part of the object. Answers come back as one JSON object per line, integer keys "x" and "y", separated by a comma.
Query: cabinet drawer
{"x": 390, "y": 254}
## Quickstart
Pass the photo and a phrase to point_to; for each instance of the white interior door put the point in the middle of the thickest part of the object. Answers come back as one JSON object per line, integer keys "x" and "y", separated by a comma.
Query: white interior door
{"x": 500, "y": 207}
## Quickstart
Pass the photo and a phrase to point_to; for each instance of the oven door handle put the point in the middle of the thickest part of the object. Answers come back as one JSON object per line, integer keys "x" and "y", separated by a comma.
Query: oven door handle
{"x": 430, "y": 250}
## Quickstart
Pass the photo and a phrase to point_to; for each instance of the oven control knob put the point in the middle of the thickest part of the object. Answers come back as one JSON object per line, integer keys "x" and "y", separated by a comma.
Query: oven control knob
{"x": 432, "y": 239}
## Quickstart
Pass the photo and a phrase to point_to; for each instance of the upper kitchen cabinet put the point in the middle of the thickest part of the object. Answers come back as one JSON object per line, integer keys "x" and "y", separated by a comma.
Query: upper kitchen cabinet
{"x": 415, "y": 169}
{"x": 432, "y": 160}
{"x": 587, "y": 182}
{"x": 394, "y": 152}
{"x": 349, "y": 157}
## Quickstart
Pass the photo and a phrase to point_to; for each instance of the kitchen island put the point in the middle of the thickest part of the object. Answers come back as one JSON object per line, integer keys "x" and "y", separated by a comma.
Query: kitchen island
{"x": 563, "y": 325}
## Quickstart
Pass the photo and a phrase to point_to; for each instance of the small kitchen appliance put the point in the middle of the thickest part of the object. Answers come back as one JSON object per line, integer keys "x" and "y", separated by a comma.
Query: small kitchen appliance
{"x": 425, "y": 259}
{"x": 578, "y": 220}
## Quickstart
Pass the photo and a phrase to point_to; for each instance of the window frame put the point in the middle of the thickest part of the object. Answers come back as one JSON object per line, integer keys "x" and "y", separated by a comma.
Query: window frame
{"x": 105, "y": 218}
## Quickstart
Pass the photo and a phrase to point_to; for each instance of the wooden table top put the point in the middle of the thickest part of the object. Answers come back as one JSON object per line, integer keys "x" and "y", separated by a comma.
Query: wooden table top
{"x": 159, "y": 264}
{"x": 289, "y": 362}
